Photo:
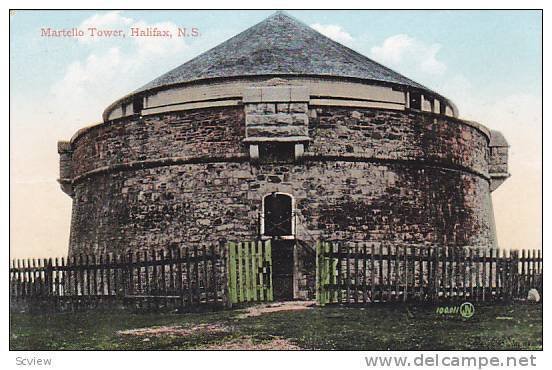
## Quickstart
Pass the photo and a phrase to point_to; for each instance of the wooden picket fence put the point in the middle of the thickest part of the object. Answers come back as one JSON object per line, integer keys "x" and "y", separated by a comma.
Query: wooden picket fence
{"x": 365, "y": 273}
{"x": 177, "y": 278}
{"x": 236, "y": 273}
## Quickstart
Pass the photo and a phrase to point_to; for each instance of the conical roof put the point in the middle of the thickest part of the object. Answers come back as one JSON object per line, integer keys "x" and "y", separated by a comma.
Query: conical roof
{"x": 280, "y": 45}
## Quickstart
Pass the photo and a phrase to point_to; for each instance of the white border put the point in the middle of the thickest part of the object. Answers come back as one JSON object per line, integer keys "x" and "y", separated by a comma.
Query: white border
{"x": 238, "y": 360}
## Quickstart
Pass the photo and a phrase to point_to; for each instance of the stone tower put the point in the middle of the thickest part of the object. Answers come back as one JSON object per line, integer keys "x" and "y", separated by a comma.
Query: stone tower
{"x": 282, "y": 133}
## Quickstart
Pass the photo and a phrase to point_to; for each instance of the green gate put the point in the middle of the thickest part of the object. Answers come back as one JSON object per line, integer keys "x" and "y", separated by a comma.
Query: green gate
{"x": 250, "y": 272}
{"x": 326, "y": 274}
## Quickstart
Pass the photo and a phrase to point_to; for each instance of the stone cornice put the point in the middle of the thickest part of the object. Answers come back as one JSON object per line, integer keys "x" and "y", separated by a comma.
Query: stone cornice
{"x": 241, "y": 158}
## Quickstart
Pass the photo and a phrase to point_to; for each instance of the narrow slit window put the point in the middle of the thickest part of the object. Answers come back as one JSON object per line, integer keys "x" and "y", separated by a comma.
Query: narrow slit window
{"x": 415, "y": 101}
{"x": 137, "y": 105}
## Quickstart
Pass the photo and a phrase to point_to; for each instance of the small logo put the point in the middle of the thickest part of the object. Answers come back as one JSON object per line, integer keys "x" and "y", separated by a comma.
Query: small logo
{"x": 467, "y": 310}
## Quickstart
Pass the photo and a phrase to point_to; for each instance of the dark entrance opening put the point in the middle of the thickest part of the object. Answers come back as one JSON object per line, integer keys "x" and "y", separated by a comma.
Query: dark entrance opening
{"x": 277, "y": 215}
{"x": 282, "y": 269}
{"x": 278, "y": 223}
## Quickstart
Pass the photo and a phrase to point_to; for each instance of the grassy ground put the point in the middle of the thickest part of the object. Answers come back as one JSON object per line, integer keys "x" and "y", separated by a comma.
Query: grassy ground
{"x": 376, "y": 327}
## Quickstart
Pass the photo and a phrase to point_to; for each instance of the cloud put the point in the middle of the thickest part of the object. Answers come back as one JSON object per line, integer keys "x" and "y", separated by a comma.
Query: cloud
{"x": 87, "y": 86}
{"x": 518, "y": 117}
{"x": 517, "y": 202}
{"x": 113, "y": 69}
{"x": 115, "y": 21}
{"x": 334, "y": 32}
{"x": 156, "y": 45}
{"x": 109, "y": 20}
{"x": 405, "y": 52}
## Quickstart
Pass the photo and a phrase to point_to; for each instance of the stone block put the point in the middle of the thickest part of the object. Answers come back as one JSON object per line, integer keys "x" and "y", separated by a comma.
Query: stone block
{"x": 268, "y": 108}
{"x": 300, "y": 119}
{"x": 282, "y": 118}
{"x": 250, "y": 108}
{"x": 253, "y": 119}
{"x": 282, "y": 107}
{"x": 63, "y": 147}
{"x": 276, "y": 131}
{"x": 298, "y": 107}
{"x": 299, "y": 94}
{"x": 275, "y": 94}
{"x": 252, "y": 95}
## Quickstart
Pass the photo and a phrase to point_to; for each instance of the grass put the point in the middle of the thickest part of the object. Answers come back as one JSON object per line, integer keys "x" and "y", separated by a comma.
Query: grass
{"x": 376, "y": 327}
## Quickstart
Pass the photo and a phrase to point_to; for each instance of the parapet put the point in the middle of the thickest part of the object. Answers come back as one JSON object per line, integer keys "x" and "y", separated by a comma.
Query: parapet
{"x": 498, "y": 159}
{"x": 65, "y": 152}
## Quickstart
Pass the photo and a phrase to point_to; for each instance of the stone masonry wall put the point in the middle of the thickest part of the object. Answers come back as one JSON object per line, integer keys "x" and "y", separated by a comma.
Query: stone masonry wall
{"x": 376, "y": 175}
{"x": 347, "y": 132}
{"x": 195, "y": 203}
{"x": 213, "y": 132}
{"x": 398, "y": 135}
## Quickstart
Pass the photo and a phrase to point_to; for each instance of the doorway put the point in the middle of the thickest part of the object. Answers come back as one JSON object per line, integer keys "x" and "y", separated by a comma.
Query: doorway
{"x": 278, "y": 224}
{"x": 278, "y": 215}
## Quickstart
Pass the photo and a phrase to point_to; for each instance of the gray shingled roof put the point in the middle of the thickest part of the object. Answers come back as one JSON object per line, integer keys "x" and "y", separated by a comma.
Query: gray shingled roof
{"x": 280, "y": 45}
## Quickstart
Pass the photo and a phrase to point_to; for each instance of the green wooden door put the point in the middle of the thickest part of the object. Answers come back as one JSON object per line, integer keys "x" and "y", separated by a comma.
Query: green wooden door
{"x": 250, "y": 272}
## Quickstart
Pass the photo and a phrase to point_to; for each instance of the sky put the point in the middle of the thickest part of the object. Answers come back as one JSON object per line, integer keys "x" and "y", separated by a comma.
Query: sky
{"x": 488, "y": 62}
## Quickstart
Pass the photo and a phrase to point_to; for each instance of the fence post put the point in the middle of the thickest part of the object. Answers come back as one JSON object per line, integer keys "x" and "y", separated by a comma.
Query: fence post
{"x": 484, "y": 274}
{"x": 478, "y": 274}
{"x": 356, "y": 281}
{"x": 498, "y": 273}
{"x": 364, "y": 276}
{"x": 465, "y": 266}
{"x": 231, "y": 264}
{"x": 436, "y": 274}
{"x": 270, "y": 292}
{"x": 515, "y": 271}
{"x": 405, "y": 290}
{"x": 470, "y": 269}
{"x": 504, "y": 276}
{"x": 254, "y": 294}
{"x": 450, "y": 272}
{"x": 214, "y": 277}
{"x": 223, "y": 273}
{"x": 245, "y": 252}
{"x": 491, "y": 279}
{"x": 430, "y": 273}
{"x": 339, "y": 273}
{"x": 539, "y": 271}
{"x": 348, "y": 272}
{"x": 49, "y": 276}
{"x": 372, "y": 274}
{"x": 259, "y": 273}
{"x": 388, "y": 285}
{"x": 317, "y": 279}
{"x": 179, "y": 277}
{"x": 328, "y": 267}
{"x": 130, "y": 273}
{"x": 334, "y": 263}
{"x": 533, "y": 268}
{"x": 421, "y": 275}
{"x": 397, "y": 275}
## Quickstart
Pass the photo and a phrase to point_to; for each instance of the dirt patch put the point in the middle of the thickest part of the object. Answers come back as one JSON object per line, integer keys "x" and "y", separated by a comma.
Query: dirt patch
{"x": 175, "y": 331}
{"x": 247, "y": 343}
{"x": 276, "y": 307}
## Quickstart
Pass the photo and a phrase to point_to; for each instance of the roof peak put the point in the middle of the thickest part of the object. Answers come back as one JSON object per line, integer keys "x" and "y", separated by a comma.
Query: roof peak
{"x": 278, "y": 13}
{"x": 280, "y": 45}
